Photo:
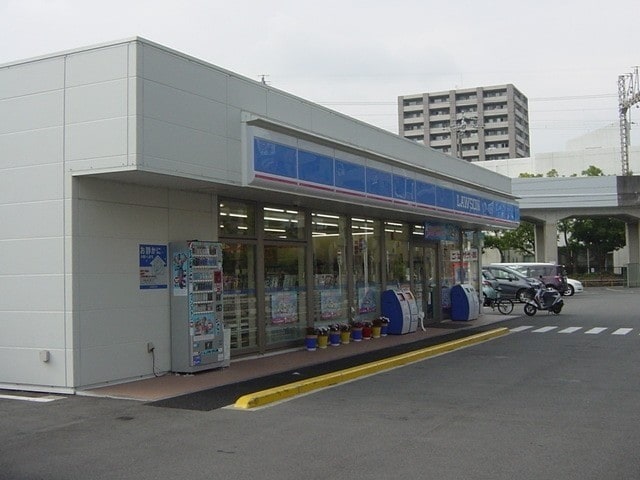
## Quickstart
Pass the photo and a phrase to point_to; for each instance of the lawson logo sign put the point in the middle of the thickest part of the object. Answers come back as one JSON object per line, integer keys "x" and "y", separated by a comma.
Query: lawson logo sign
{"x": 277, "y": 162}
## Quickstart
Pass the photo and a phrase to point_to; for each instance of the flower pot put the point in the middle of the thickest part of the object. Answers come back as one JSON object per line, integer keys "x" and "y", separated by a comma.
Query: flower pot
{"x": 344, "y": 337}
{"x": 356, "y": 334}
{"x": 311, "y": 342}
{"x": 334, "y": 339}
{"x": 323, "y": 341}
{"x": 376, "y": 331}
{"x": 383, "y": 329}
{"x": 367, "y": 332}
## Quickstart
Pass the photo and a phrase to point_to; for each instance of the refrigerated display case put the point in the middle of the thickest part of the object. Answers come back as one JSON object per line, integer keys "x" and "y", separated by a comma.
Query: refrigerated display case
{"x": 197, "y": 328}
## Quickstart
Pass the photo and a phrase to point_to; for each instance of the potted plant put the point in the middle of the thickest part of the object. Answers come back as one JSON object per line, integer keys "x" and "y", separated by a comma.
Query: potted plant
{"x": 384, "y": 325}
{"x": 367, "y": 330}
{"x": 345, "y": 333}
{"x": 311, "y": 339}
{"x": 356, "y": 331}
{"x": 376, "y": 328}
{"x": 323, "y": 337}
{"x": 334, "y": 335}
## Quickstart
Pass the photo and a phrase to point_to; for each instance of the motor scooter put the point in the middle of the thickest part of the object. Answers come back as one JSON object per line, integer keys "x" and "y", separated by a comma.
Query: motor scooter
{"x": 544, "y": 298}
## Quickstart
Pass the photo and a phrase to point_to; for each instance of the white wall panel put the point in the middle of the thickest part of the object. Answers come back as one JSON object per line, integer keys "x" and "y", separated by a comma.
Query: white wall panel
{"x": 105, "y": 138}
{"x": 101, "y": 328}
{"x": 31, "y": 78}
{"x": 22, "y": 366}
{"x": 122, "y": 193}
{"x": 289, "y": 109}
{"x": 187, "y": 109}
{"x": 183, "y": 225}
{"x": 32, "y": 220}
{"x": 34, "y": 256}
{"x": 247, "y": 96}
{"x": 234, "y": 163}
{"x": 184, "y": 73}
{"x": 35, "y": 147}
{"x": 31, "y": 184}
{"x": 98, "y": 101}
{"x": 120, "y": 361}
{"x": 99, "y": 65}
{"x": 31, "y": 112}
{"x": 169, "y": 147}
{"x": 190, "y": 201}
{"x": 111, "y": 220}
{"x": 24, "y": 293}
{"x": 32, "y": 329}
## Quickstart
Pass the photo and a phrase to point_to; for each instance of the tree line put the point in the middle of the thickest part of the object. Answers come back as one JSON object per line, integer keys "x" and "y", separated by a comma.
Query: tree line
{"x": 594, "y": 236}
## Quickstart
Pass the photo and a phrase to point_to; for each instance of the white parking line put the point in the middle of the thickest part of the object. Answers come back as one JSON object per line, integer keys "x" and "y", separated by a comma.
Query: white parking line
{"x": 45, "y": 399}
{"x": 570, "y": 330}
{"x": 595, "y": 331}
{"x": 522, "y": 328}
{"x": 544, "y": 329}
{"x": 622, "y": 331}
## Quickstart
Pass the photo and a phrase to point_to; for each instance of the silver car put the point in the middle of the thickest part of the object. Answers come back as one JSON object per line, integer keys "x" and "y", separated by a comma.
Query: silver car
{"x": 512, "y": 283}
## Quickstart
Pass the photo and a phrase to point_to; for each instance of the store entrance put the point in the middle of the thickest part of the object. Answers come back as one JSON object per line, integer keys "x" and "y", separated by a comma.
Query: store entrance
{"x": 425, "y": 281}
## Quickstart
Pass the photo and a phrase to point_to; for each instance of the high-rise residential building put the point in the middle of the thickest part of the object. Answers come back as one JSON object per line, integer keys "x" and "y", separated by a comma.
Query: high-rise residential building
{"x": 476, "y": 124}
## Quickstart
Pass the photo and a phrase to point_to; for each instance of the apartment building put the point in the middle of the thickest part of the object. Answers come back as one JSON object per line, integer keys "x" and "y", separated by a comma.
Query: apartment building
{"x": 475, "y": 124}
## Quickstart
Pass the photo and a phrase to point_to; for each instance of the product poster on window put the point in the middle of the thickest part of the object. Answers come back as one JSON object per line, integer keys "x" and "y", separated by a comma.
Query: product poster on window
{"x": 153, "y": 266}
{"x": 367, "y": 299}
{"x": 284, "y": 307}
{"x": 179, "y": 273}
{"x": 330, "y": 303}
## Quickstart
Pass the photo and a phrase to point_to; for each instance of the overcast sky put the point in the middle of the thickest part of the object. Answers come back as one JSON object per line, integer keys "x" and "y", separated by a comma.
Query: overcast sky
{"x": 358, "y": 56}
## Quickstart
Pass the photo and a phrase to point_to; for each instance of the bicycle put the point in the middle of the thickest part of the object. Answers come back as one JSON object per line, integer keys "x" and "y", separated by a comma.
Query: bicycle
{"x": 504, "y": 305}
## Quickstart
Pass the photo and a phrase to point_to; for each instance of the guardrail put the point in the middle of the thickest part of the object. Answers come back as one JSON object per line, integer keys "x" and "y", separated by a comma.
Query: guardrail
{"x": 604, "y": 282}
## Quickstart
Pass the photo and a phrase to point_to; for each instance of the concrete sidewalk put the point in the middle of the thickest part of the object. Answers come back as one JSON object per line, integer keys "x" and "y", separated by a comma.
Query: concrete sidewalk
{"x": 256, "y": 367}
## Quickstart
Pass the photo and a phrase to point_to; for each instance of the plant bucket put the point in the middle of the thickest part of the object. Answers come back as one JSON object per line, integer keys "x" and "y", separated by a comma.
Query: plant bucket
{"x": 356, "y": 334}
{"x": 311, "y": 342}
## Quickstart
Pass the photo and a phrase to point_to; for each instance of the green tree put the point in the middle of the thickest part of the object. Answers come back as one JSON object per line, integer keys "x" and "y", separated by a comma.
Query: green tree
{"x": 592, "y": 171}
{"x": 599, "y": 235}
{"x": 521, "y": 239}
{"x": 553, "y": 173}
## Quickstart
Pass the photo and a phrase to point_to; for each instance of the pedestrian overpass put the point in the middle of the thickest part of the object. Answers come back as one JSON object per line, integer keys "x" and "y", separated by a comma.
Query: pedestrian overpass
{"x": 546, "y": 201}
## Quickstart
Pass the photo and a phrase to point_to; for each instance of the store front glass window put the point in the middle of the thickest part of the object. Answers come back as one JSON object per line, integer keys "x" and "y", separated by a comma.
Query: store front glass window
{"x": 397, "y": 254}
{"x": 329, "y": 269}
{"x": 283, "y": 224}
{"x": 236, "y": 219}
{"x": 239, "y": 296}
{"x": 365, "y": 235}
{"x": 451, "y": 268}
{"x": 285, "y": 293}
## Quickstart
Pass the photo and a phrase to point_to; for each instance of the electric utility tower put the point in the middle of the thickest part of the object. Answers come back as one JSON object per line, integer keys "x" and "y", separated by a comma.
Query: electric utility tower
{"x": 628, "y": 95}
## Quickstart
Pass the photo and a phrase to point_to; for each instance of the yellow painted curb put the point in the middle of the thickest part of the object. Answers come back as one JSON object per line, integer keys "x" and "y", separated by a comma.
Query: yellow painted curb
{"x": 264, "y": 397}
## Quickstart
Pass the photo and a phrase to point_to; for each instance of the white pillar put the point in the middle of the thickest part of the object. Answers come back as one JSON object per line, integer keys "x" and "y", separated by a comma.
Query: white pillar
{"x": 632, "y": 231}
{"x": 546, "y": 241}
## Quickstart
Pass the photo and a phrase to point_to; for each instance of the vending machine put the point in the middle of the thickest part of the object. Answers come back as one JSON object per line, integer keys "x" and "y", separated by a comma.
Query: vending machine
{"x": 197, "y": 329}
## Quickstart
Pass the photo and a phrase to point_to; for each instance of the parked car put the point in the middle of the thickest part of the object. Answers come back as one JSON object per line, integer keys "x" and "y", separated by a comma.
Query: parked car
{"x": 551, "y": 274}
{"x": 573, "y": 286}
{"x": 512, "y": 283}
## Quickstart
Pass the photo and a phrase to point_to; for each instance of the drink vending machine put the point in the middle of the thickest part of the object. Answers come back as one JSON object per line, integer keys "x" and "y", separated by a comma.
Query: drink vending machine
{"x": 197, "y": 329}
{"x": 401, "y": 308}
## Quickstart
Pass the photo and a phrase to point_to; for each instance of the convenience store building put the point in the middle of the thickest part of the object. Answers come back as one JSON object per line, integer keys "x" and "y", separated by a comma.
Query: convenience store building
{"x": 110, "y": 153}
